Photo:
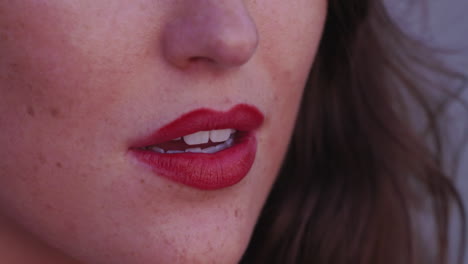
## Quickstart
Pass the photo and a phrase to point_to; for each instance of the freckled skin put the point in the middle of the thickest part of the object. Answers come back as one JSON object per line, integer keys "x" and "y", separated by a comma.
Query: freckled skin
{"x": 81, "y": 80}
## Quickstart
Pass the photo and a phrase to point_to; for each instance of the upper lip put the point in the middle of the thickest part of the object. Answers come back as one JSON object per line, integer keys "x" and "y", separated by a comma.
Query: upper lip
{"x": 242, "y": 117}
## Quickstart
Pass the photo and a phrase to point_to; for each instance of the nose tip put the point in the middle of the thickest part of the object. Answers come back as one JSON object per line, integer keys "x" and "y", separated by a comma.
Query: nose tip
{"x": 221, "y": 36}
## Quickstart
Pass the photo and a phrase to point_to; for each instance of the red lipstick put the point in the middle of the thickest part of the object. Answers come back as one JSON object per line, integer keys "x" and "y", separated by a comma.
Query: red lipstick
{"x": 206, "y": 171}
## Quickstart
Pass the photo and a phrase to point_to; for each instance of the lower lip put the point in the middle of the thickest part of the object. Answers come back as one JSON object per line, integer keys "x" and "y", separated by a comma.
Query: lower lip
{"x": 204, "y": 171}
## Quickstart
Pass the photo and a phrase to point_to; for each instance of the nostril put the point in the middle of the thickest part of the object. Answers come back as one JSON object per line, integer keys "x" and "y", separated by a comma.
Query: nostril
{"x": 197, "y": 59}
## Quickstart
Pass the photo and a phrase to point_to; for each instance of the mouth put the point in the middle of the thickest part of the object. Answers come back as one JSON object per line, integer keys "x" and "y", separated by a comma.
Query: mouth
{"x": 208, "y": 142}
{"x": 204, "y": 149}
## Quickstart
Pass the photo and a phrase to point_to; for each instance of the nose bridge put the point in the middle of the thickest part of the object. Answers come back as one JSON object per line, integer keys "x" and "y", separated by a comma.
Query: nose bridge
{"x": 219, "y": 32}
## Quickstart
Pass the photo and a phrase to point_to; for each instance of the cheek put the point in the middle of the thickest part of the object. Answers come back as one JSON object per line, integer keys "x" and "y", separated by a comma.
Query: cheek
{"x": 287, "y": 49}
{"x": 288, "y": 45}
{"x": 62, "y": 61}
{"x": 283, "y": 60}
{"x": 57, "y": 78}
{"x": 52, "y": 107}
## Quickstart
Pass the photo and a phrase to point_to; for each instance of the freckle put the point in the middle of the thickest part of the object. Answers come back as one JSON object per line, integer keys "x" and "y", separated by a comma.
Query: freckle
{"x": 71, "y": 227}
{"x": 237, "y": 213}
{"x": 143, "y": 6}
{"x": 59, "y": 165}
{"x": 42, "y": 159}
{"x": 142, "y": 181}
{"x": 4, "y": 37}
{"x": 54, "y": 112}
{"x": 227, "y": 101}
{"x": 30, "y": 111}
{"x": 35, "y": 193}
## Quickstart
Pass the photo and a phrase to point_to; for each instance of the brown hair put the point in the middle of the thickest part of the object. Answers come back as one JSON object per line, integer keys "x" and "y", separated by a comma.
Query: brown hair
{"x": 358, "y": 174}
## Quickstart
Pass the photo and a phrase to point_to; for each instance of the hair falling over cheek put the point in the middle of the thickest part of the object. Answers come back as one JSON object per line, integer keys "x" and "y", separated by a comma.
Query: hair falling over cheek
{"x": 357, "y": 171}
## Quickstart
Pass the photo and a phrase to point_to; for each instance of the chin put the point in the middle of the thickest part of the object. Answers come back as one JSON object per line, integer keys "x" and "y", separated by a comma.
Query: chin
{"x": 166, "y": 251}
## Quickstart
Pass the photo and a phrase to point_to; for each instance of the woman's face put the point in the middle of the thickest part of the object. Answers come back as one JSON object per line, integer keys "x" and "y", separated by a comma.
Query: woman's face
{"x": 84, "y": 83}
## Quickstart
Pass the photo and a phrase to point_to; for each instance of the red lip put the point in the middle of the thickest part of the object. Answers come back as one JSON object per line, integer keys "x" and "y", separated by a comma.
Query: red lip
{"x": 199, "y": 170}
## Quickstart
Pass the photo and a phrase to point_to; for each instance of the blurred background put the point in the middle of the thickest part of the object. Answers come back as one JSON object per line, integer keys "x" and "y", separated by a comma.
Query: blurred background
{"x": 444, "y": 24}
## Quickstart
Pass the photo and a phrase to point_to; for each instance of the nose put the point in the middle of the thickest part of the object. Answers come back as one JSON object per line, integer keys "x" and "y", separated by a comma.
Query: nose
{"x": 214, "y": 32}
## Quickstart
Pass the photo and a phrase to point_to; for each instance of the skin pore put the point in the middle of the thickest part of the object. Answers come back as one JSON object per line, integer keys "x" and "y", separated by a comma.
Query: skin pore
{"x": 81, "y": 80}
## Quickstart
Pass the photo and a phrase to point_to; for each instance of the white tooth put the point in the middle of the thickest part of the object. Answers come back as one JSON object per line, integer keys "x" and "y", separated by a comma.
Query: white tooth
{"x": 156, "y": 149}
{"x": 230, "y": 142}
{"x": 175, "y": 139}
{"x": 210, "y": 150}
{"x": 225, "y": 145}
{"x": 219, "y": 147}
{"x": 220, "y": 135}
{"x": 194, "y": 150}
{"x": 197, "y": 138}
{"x": 174, "y": 151}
